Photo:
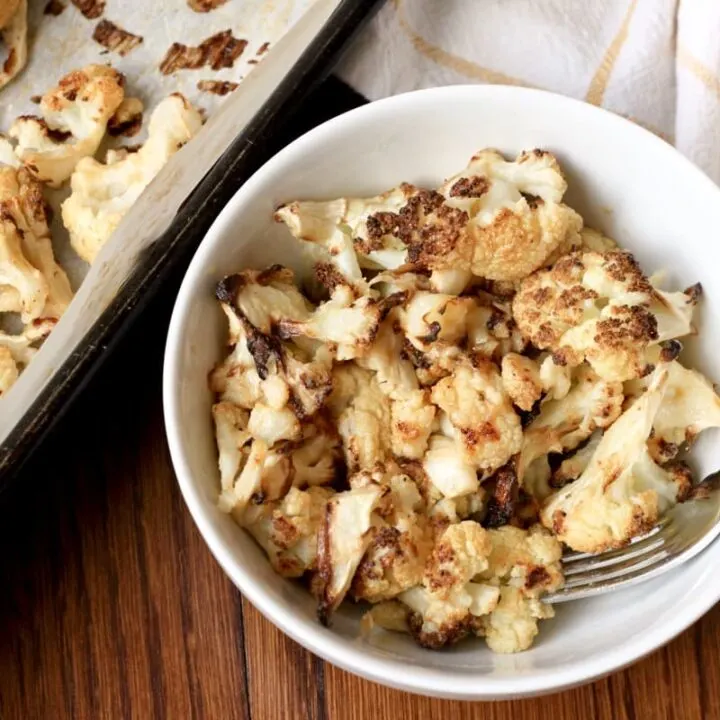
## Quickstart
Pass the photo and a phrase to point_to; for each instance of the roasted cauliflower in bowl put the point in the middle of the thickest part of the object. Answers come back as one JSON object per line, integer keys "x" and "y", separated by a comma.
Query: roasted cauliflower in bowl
{"x": 467, "y": 382}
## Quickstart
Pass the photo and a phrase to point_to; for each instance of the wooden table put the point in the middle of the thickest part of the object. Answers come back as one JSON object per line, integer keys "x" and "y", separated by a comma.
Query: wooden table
{"x": 112, "y": 607}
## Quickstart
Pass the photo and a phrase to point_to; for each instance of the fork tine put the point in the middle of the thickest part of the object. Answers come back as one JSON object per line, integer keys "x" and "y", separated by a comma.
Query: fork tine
{"x": 572, "y": 557}
{"x": 612, "y": 558}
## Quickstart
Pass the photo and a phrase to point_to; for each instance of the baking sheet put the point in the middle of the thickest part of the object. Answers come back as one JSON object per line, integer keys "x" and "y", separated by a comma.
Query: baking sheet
{"x": 155, "y": 210}
{"x": 59, "y": 44}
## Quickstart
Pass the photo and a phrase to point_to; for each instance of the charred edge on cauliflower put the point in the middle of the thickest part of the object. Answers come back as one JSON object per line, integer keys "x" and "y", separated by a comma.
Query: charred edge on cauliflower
{"x": 503, "y": 501}
{"x": 447, "y": 633}
{"x": 324, "y": 570}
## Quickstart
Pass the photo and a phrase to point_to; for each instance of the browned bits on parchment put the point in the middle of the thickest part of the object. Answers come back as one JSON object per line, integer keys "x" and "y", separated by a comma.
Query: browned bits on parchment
{"x": 91, "y": 9}
{"x": 219, "y": 51}
{"x": 127, "y": 119}
{"x": 203, "y": 6}
{"x": 217, "y": 87}
{"x": 263, "y": 49}
{"x": 54, "y": 7}
{"x": 114, "y": 38}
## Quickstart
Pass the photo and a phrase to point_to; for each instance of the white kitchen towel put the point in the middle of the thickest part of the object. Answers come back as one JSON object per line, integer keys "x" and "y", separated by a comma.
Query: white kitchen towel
{"x": 656, "y": 62}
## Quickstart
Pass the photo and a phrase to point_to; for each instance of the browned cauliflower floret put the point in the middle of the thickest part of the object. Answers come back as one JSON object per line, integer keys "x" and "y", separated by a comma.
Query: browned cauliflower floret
{"x": 13, "y": 30}
{"x": 401, "y": 541}
{"x": 9, "y": 370}
{"x": 232, "y": 437}
{"x": 600, "y": 307}
{"x": 351, "y": 233}
{"x": 562, "y": 425}
{"x": 102, "y": 194}
{"x": 23, "y": 204}
{"x": 74, "y": 118}
{"x": 288, "y": 530}
{"x": 521, "y": 380}
{"x": 444, "y": 607}
{"x": 362, "y": 413}
{"x": 516, "y": 219}
{"x": 344, "y": 535}
{"x": 689, "y": 406}
{"x": 622, "y": 492}
{"x": 430, "y": 317}
{"x": 486, "y": 428}
{"x": 446, "y": 468}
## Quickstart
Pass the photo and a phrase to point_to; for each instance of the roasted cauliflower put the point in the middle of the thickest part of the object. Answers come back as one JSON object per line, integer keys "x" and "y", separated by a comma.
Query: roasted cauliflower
{"x": 13, "y": 30}
{"x": 466, "y": 379}
{"x": 102, "y": 194}
{"x": 74, "y": 119}
{"x": 600, "y": 307}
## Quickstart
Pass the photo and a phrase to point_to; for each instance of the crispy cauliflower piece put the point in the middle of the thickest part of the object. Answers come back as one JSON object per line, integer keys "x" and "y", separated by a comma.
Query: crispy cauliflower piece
{"x": 514, "y": 217}
{"x": 429, "y": 317}
{"x": 595, "y": 241}
{"x": 25, "y": 288}
{"x": 571, "y": 468}
{"x": 22, "y": 201}
{"x": 451, "y": 281}
{"x": 521, "y": 380}
{"x": 689, "y": 406}
{"x": 446, "y": 468}
{"x": 362, "y": 413}
{"x": 350, "y": 233}
{"x": 288, "y": 530}
{"x": 555, "y": 379}
{"x": 348, "y": 325}
{"x": 103, "y": 194}
{"x": 487, "y": 429}
{"x": 401, "y": 542}
{"x": 512, "y": 625}
{"x": 343, "y": 538}
{"x": 318, "y": 457}
{"x": 13, "y": 30}
{"x": 271, "y": 425}
{"x": 74, "y": 118}
{"x": 411, "y": 421}
{"x": 622, "y": 492}
{"x": 562, "y": 425}
{"x": 260, "y": 364}
{"x": 444, "y": 607}
{"x": 232, "y": 436}
{"x": 600, "y": 307}
{"x": 388, "y": 615}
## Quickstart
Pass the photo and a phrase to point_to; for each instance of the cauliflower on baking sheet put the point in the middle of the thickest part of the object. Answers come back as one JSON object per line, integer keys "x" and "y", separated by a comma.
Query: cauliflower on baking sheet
{"x": 74, "y": 118}
{"x": 467, "y": 380}
{"x": 102, "y": 194}
{"x": 13, "y": 30}
{"x": 600, "y": 307}
{"x": 622, "y": 491}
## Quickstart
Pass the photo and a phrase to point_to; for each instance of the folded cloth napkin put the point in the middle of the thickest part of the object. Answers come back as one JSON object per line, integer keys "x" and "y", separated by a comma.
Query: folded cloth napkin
{"x": 656, "y": 62}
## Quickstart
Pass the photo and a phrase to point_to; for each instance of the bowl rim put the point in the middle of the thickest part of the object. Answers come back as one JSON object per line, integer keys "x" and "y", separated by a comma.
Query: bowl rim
{"x": 435, "y": 682}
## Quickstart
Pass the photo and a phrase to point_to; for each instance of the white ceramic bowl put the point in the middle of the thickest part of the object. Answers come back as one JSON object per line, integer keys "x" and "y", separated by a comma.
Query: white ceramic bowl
{"x": 623, "y": 180}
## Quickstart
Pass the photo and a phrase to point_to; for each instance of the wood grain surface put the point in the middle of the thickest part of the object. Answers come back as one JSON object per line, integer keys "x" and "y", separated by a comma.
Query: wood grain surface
{"x": 112, "y": 607}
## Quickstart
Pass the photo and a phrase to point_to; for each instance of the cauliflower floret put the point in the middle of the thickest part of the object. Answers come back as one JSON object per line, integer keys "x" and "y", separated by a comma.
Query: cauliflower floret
{"x": 431, "y": 317}
{"x": 343, "y": 538}
{"x": 272, "y": 425}
{"x": 491, "y": 329}
{"x": 232, "y": 436}
{"x": 74, "y": 118}
{"x": 411, "y": 418}
{"x": 22, "y": 201}
{"x": 521, "y": 380}
{"x": 348, "y": 325}
{"x": 595, "y": 241}
{"x": 13, "y": 30}
{"x": 103, "y": 194}
{"x": 572, "y": 467}
{"x": 513, "y": 624}
{"x": 600, "y": 307}
{"x": 388, "y": 615}
{"x": 401, "y": 542}
{"x": 447, "y": 470}
{"x": 505, "y": 219}
{"x": 318, "y": 458}
{"x": 487, "y": 429}
{"x": 362, "y": 413}
{"x": 555, "y": 379}
{"x": 689, "y": 406}
{"x": 444, "y": 607}
{"x": 288, "y": 530}
{"x": 25, "y": 287}
{"x": 622, "y": 492}
{"x": 351, "y": 233}
{"x": 563, "y": 424}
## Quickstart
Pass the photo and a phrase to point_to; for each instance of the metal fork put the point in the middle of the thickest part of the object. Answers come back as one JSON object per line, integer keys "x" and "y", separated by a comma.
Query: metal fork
{"x": 683, "y": 532}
